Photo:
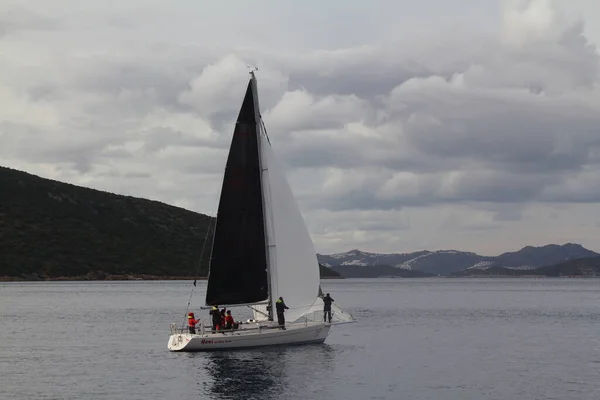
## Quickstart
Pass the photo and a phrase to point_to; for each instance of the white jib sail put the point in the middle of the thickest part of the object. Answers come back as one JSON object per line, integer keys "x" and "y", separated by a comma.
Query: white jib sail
{"x": 293, "y": 264}
{"x": 338, "y": 316}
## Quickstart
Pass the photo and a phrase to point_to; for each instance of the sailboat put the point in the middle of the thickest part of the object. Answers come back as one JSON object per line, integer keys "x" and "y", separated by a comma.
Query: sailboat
{"x": 261, "y": 251}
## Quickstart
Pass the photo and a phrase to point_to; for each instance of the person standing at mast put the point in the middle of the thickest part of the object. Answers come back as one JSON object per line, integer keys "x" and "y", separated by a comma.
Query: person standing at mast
{"x": 327, "y": 300}
{"x": 216, "y": 317}
{"x": 281, "y": 307}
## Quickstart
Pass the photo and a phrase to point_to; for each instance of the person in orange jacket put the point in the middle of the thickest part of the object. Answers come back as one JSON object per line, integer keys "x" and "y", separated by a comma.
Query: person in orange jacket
{"x": 223, "y": 312}
{"x": 192, "y": 322}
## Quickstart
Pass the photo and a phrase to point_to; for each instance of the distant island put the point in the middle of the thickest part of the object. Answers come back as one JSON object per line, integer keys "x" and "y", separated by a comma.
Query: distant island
{"x": 51, "y": 230}
{"x": 581, "y": 267}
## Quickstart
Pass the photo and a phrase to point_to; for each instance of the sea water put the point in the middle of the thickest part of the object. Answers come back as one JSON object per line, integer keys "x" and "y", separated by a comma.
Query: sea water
{"x": 432, "y": 338}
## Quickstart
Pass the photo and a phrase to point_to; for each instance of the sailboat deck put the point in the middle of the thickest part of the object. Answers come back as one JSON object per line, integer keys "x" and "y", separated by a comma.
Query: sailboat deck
{"x": 244, "y": 328}
{"x": 295, "y": 333}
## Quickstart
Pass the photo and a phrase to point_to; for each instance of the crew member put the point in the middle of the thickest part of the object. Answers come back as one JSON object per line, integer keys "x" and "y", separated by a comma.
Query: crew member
{"x": 192, "y": 322}
{"x": 216, "y": 317}
{"x": 281, "y": 307}
{"x": 327, "y": 300}
{"x": 223, "y": 311}
{"x": 228, "y": 320}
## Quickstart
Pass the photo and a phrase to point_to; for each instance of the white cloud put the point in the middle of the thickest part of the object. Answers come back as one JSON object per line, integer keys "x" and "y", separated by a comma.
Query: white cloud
{"x": 220, "y": 86}
{"x": 481, "y": 134}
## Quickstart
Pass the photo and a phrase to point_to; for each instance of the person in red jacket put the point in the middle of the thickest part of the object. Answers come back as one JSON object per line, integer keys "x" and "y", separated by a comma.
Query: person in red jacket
{"x": 229, "y": 320}
{"x": 192, "y": 322}
{"x": 223, "y": 312}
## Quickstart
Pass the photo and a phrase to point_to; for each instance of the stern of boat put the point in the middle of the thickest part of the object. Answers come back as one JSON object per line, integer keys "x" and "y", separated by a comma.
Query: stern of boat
{"x": 178, "y": 339}
{"x": 177, "y": 342}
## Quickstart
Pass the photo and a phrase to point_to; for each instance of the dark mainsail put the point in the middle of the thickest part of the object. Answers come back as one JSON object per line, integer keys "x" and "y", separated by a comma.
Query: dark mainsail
{"x": 238, "y": 264}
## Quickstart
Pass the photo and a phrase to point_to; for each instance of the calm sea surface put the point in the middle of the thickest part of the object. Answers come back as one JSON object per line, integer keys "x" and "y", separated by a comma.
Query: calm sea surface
{"x": 415, "y": 339}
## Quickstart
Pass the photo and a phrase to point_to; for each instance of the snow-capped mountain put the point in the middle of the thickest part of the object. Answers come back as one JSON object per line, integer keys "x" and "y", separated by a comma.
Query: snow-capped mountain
{"x": 445, "y": 262}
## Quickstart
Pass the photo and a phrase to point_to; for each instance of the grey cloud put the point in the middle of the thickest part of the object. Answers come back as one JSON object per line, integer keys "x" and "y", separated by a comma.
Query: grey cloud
{"x": 456, "y": 223}
{"x": 497, "y": 186}
{"x": 367, "y": 80}
{"x": 133, "y": 76}
{"x": 504, "y": 143}
{"x": 360, "y": 199}
{"x": 159, "y": 138}
{"x": 142, "y": 175}
{"x": 320, "y": 149}
{"x": 477, "y": 128}
{"x": 127, "y": 175}
{"x": 485, "y": 186}
{"x": 455, "y": 135}
{"x": 28, "y": 142}
{"x": 46, "y": 92}
{"x": 371, "y": 71}
{"x": 510, "y": 214}
{"x": 116, "y": 153}
{"x": 473, "y": 118}
{"x": 120, "y": 21}
{"x": 19, "y": 19}
{"x": 157, "y": 73}
{"x": 324, "y": 222}
{"x": 581, "y": 188}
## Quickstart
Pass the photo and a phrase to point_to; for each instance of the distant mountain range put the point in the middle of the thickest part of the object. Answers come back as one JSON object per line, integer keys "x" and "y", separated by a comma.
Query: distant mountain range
{"x": 356, "y": 263}
{"x": 578, "y": 267}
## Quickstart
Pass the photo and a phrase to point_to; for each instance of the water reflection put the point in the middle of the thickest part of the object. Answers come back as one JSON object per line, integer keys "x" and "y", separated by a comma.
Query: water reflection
{"x": 267, "y": 373}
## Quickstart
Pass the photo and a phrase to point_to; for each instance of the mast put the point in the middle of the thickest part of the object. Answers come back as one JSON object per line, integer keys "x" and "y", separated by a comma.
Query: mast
{"x": 263, "y": 170}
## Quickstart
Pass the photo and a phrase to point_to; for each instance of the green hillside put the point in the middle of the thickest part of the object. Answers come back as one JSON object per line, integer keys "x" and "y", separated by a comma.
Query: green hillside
{"x": 50, "y": 229}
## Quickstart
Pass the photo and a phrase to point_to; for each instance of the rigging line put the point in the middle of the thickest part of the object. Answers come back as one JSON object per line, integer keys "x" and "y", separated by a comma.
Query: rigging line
{"x": 258, "y": 311}
{"x": 208, "y": 231}
{"x": 210, "y": 223}
{"x": 264, "y": 129}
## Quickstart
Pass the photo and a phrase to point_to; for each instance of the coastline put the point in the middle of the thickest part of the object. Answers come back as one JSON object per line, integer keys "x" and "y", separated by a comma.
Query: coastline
{"x": 128, "y": 277}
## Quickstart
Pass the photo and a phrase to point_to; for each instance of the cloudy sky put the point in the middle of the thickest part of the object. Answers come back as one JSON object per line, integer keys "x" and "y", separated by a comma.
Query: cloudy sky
{"x": 438, "y": 124}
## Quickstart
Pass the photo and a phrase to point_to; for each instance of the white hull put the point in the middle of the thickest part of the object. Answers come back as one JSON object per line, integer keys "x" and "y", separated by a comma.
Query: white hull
{"x": 294, "y": 334}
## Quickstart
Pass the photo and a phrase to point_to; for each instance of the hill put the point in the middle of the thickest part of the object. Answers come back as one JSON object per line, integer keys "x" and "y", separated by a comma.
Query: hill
{"x": 578, "y": 267}
{"x": 540, "y": 256}
{"x": 328, "y": 272}
{"x": 50, "y": 229}
{"x": 448, "y": 262}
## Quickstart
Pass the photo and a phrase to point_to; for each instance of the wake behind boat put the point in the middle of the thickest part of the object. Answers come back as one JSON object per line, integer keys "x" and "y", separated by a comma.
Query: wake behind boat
{"x": 261, "y": 251}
